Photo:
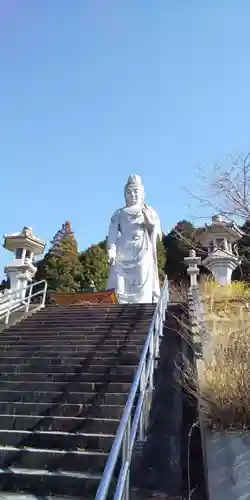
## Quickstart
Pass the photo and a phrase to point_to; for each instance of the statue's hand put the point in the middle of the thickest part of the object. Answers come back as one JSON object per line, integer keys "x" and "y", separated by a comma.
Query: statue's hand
{"x": 111, "y": 255}
{"x": 148, "y": 217}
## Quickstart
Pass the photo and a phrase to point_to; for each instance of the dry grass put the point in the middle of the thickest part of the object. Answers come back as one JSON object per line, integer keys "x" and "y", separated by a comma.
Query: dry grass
{"x": 224, "y": 373}
{"x": 212, "y": 291}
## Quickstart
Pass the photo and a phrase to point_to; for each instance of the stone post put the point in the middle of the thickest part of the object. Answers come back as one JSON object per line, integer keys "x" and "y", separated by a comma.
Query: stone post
{"x": 193, "y": 271}
{"x": 194, "y": 301}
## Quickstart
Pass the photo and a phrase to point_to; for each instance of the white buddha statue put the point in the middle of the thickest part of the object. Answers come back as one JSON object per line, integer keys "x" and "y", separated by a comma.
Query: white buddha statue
{"x": 132, "y": 256}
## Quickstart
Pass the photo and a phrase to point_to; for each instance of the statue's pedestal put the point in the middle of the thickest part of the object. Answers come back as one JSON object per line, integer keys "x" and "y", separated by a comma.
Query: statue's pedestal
{"x": 107, "y": 297}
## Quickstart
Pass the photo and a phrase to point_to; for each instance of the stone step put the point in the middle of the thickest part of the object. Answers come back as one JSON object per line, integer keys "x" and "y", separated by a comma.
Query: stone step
{"x": 122, "y": 358}
{"x": 57, "y": 423}
{"x": 61, "y": 378}
{"x": 72, "y": 337}
{"x": 90, "y": 354}
{"x": 43, "y": 482}
{"x": 63, "y": 397}
{"x": 98, "y": 311}
{"x": 83, "y": 321}
{"x": 93, "y": 387}
{"x": 52, "y": 343}
{"x": 100, "y": 314}
{"x": 71, "y": 328}
{"x": 52, "y": 460}
{"x": 64, "y": 370}
{"x": 61, "y": 410}
{"x": 80, "y": 351}
{"x": 106, "y": 353}
{"x": 86, "y": 314}
{"x": 102, "y": 317}
{"x": 100, "y": 307}
{"x": 57, "y": 440}
{"x": 91, "y": 320}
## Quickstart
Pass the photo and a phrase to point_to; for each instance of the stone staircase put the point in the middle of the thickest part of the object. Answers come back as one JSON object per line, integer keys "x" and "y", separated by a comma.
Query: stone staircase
{"x": 65, "y": 376}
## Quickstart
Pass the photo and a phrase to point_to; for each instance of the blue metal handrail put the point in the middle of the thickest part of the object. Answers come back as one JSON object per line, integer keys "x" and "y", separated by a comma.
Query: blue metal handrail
{"x": 129, "y": 427}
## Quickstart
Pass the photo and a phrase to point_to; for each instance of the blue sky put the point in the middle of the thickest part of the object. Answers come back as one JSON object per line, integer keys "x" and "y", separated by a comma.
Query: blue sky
{"x": 93, "y": 90}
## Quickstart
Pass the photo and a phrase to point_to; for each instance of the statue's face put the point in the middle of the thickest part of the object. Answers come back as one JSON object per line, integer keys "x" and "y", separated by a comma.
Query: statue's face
{"x": 133, "y": 195}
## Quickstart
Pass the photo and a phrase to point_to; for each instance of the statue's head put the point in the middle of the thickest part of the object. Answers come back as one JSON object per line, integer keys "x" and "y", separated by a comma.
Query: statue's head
{"x": 134, "y": 191}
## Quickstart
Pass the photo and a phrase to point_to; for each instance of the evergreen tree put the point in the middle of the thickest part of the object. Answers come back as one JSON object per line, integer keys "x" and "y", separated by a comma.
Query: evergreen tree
{"x": 63, "y": 268}
{"x": 63, "y": 233}
{"x": 4, "y": 284}
{"x": 161, "y": 257}
{"x": 177, "y": 244}
{"x": 94, "y": 267}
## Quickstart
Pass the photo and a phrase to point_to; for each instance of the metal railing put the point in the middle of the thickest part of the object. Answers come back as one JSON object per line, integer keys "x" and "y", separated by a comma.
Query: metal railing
{"x": 21, "y": 299}
{"x": 133, "y": 421}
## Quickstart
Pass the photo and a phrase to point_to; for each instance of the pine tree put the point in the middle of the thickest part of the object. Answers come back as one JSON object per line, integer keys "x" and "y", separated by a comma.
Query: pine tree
{"x": 63, "y": 268}
{"x": 94, "y": 267}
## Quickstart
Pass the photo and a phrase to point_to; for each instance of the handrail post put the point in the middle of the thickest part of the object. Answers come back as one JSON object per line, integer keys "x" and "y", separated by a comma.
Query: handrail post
{"x": 165, "y": 300}
{"x": 29, "y": 298}
{"x": 142, "y": 389}
{"x": 8, "y": 312}
{"x": 157, "y": 335}
{"x": 152, "y": 361}
{"x": 126, "y": 458}
{"x": 44, "y": 293}
{"x": 161, "y": 318}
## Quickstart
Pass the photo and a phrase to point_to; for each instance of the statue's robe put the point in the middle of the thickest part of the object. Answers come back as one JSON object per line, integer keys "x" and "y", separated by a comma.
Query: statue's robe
{"x": 134, "y": 276}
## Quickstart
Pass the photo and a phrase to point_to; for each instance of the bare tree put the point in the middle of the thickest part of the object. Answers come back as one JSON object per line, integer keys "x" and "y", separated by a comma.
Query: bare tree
{"x": 227, "y": 189}
{"x": 231, "y": 187}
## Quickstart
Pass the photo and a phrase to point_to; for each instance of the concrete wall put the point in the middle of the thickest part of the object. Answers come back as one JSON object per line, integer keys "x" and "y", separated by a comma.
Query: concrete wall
{"x": 228, "y": 465}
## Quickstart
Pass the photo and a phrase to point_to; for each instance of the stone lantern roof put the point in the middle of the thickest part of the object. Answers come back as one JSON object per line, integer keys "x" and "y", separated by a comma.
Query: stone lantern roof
{"x": 24, "y": 239}
{"x": 219, "y": 228}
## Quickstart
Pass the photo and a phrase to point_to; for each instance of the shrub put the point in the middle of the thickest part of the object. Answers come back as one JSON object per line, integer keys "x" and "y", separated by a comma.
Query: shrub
{"x": 223, "y": 387}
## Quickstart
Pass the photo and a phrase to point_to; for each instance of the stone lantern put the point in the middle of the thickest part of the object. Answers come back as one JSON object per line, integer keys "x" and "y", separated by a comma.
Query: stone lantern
{"x": 21, "y": 270}
{"x": 220, "y": 238}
